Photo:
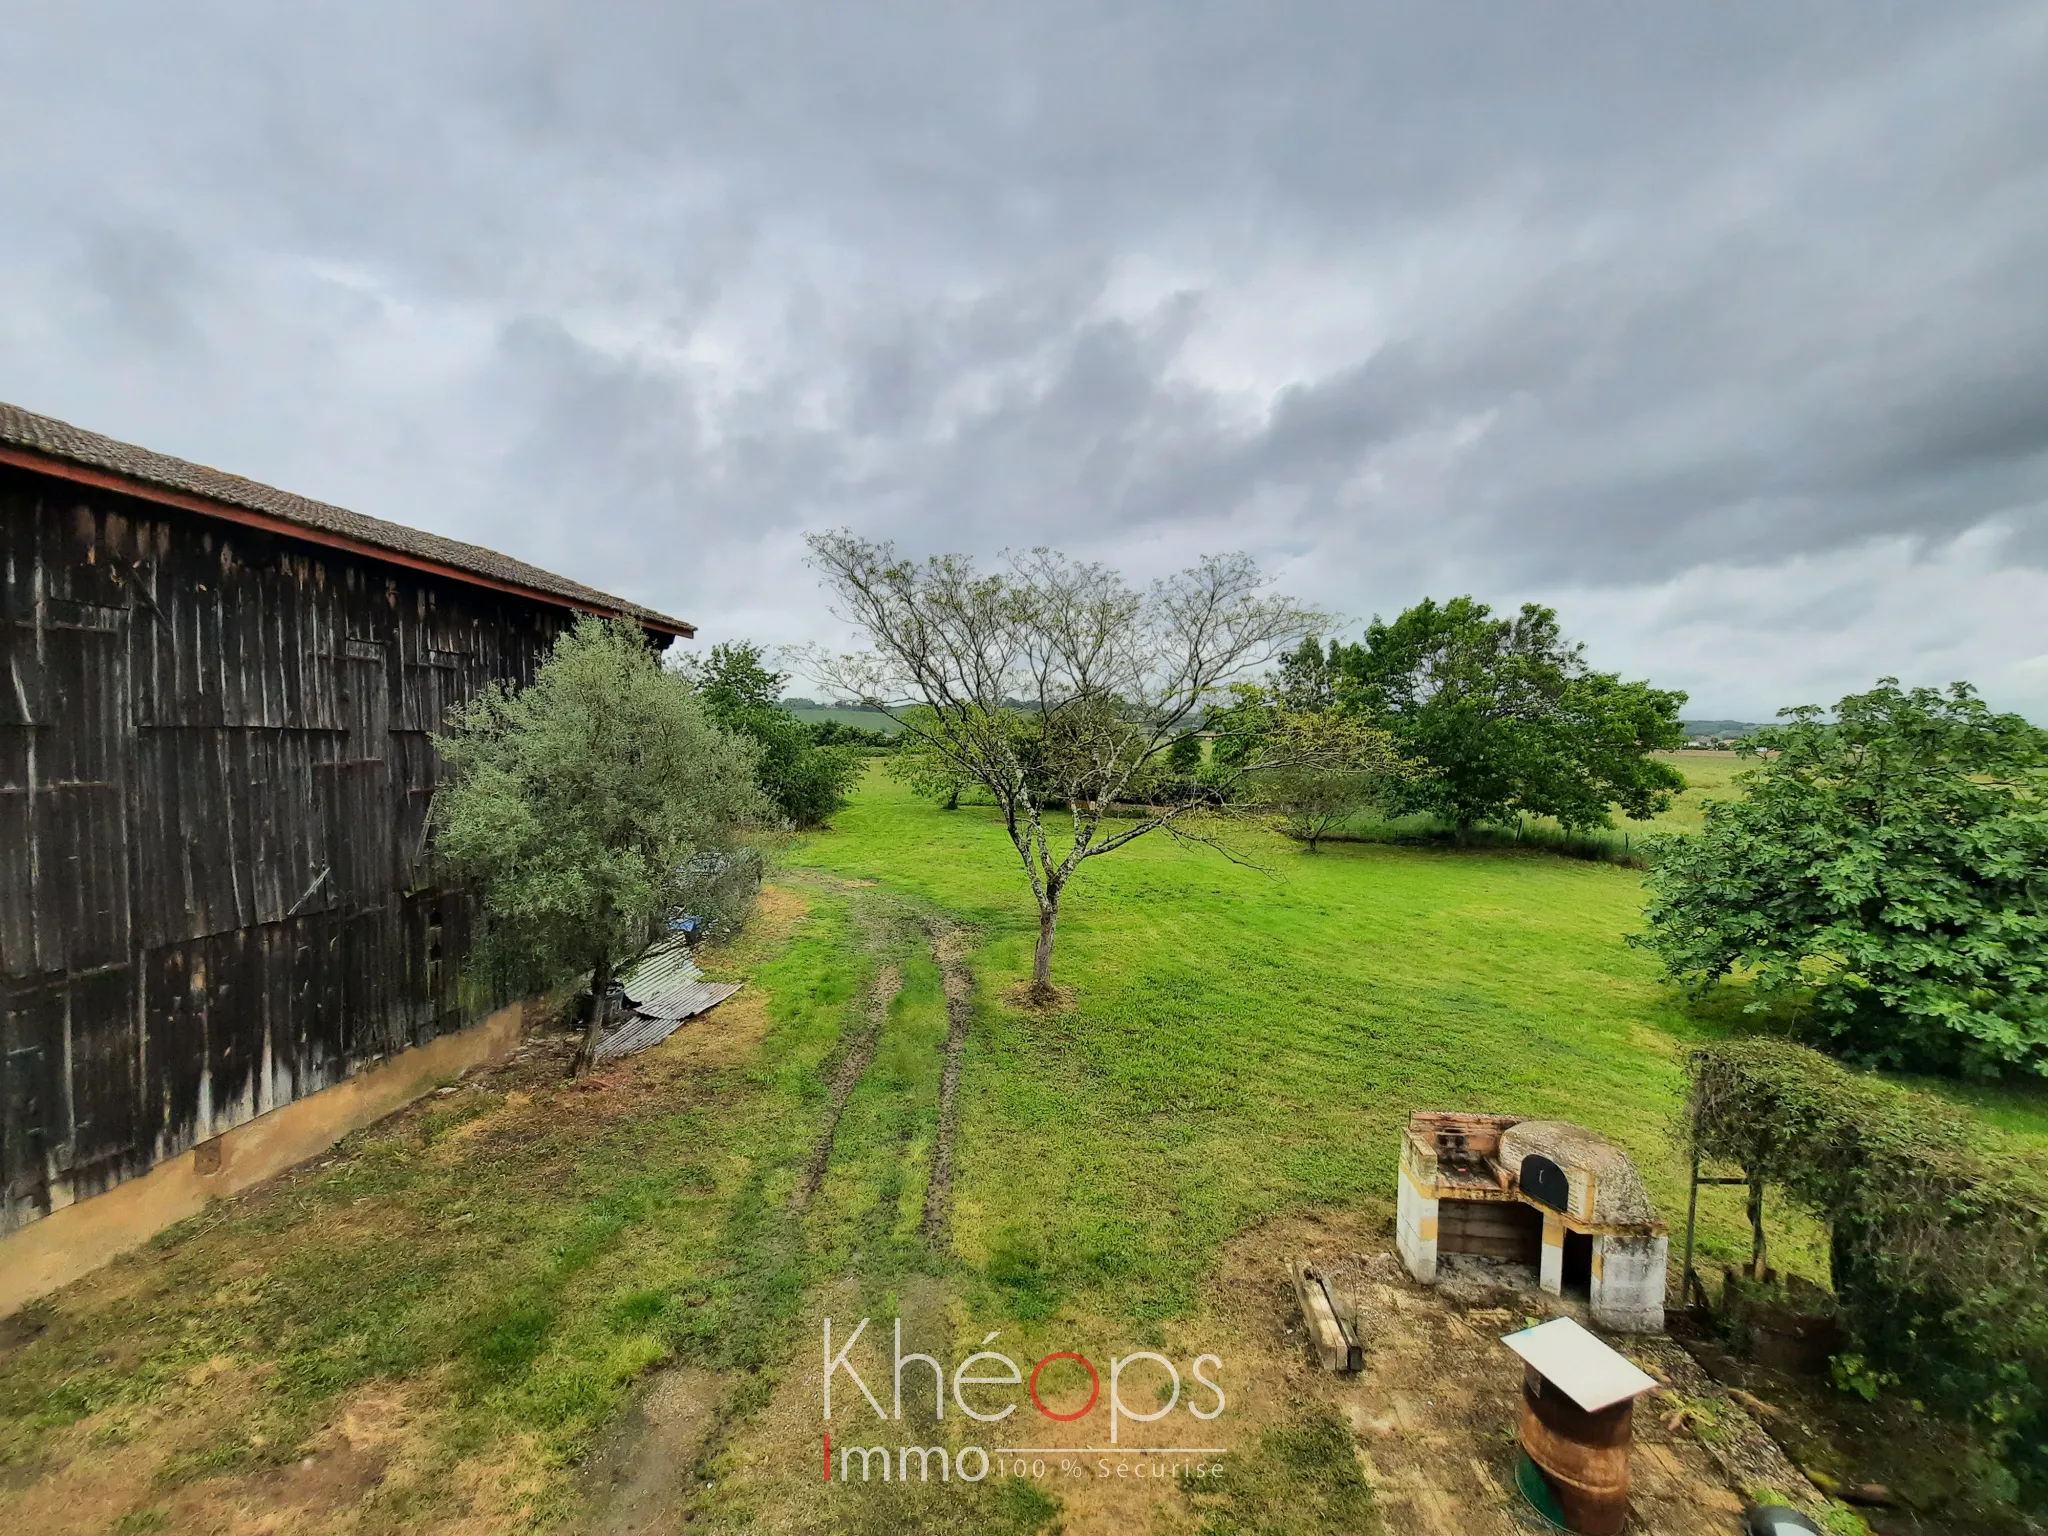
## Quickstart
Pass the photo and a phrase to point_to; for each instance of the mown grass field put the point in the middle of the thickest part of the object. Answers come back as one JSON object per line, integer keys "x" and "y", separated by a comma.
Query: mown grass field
{"x": 1249, "y": 1039}
{"x": 1709, "y": 776}
{"x": 427, "y": 1331}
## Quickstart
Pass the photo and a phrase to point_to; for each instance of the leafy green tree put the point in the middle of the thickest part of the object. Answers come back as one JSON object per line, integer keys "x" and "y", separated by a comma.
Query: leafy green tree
{"x": 807, "y": 782}
{"x": 926, "y": 761}
{"x": 1308, "y": 675}
{"x": 1888, "y": 870}
{"x": 1505, "y": 714}
{"x": 578, "y": 803}
{"x": 734, "y": 679}
{"x": 1325, "y": 767}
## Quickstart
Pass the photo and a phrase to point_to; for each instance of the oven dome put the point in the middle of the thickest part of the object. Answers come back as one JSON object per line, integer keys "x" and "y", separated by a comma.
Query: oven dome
{"x": 1588, "y": 1159}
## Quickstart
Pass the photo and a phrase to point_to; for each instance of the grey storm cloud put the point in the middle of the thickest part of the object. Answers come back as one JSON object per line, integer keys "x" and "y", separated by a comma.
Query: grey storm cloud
{"x": 1722, "y": 328}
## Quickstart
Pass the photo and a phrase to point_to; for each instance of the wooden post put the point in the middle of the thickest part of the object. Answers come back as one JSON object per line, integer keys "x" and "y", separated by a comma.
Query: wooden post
{"x": 1759, "y": 1260}
{"x": 1692, "y": 1212}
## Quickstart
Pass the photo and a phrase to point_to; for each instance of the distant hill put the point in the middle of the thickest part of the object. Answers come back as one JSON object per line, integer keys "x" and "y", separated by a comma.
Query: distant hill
{"x": 1698, "y": 728}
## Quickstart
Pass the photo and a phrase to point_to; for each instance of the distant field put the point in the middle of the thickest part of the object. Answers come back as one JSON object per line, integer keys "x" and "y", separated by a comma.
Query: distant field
{"x": 1710, "y": 775}
{"x": 864, "y": 719}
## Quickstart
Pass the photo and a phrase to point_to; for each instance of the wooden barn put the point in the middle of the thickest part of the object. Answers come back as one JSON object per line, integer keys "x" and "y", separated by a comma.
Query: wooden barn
{"x": 215, "y": 700}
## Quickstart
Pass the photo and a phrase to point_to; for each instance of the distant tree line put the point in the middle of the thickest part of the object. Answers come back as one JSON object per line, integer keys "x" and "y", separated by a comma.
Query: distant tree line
{"x": 1719, "y": 733}
{"x": 837, "y": 733}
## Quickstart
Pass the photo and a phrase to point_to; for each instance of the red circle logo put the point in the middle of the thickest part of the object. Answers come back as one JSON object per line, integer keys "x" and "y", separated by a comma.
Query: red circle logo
{"x": 1094, "y": 1387}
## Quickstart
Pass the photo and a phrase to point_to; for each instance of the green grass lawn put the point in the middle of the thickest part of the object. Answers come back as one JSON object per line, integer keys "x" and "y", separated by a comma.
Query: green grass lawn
{"x": 1246, "y": 1041}
{"x": 494, "y": 1268}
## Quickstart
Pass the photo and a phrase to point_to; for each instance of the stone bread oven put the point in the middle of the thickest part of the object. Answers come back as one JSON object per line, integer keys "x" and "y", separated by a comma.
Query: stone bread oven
{"x": 1554, "y": 1196}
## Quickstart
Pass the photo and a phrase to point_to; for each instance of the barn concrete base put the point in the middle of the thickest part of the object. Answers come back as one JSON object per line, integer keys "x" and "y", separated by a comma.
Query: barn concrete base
{"x": 78, "y": 1239}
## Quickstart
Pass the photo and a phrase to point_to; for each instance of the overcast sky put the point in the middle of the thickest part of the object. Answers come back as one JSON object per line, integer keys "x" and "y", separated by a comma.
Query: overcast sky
{"x": 1722, "y": 328}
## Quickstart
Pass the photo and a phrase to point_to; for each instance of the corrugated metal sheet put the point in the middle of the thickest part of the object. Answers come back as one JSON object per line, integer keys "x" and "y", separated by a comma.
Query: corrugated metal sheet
{"x": 663, "y": 988}
{"x": 660, "y": 969}
{"x": 642, "y": 1029}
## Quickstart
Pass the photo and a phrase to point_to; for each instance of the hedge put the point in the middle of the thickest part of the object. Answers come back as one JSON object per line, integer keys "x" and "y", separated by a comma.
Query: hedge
{"x": 1939, "y": 1227}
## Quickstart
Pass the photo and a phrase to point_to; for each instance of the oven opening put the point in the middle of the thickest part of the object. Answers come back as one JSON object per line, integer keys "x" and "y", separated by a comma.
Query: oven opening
{"x": 1578, "y": 1264}
{"x": 1493, "y": 1229}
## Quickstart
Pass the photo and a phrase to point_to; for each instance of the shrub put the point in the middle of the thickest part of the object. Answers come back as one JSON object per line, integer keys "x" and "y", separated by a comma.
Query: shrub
{"x": 1939, "y": 1227}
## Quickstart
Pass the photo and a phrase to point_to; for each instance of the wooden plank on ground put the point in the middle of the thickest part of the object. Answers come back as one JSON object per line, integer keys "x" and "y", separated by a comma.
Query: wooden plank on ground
{"x": 1337, "y": 1349}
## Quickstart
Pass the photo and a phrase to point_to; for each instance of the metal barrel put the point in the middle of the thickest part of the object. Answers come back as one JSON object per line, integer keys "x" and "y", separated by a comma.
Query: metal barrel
{"x": 1583, "y": 1456}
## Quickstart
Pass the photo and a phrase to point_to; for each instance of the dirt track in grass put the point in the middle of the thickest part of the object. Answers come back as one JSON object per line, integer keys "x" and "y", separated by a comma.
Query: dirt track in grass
{"x": 951, "y": 945}
{"x": 853, "y": 1066}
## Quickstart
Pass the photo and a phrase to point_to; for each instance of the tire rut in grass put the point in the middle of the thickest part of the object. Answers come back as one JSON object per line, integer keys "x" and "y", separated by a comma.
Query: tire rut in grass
{"x": 950, "y": 947}
{"x": 853, "y": 1066}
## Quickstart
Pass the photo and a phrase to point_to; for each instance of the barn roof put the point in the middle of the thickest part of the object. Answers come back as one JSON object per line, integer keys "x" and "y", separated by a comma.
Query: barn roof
{"x": 57, "y": 447}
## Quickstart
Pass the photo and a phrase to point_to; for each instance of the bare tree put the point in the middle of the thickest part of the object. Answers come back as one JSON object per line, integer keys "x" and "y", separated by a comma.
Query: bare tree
{"x": 1053, "y": 684}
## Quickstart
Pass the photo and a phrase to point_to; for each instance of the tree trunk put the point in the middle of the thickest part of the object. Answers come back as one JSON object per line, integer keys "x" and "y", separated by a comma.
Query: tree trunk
{"x": 953, "y": 800}
{"x": 1042, "y": 992}
{"x": 593, "y": 1024}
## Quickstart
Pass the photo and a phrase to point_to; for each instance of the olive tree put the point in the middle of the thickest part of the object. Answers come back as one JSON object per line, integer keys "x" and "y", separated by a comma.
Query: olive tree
{"x": 1053, "y": 684}
{"x": 577, "y": 805}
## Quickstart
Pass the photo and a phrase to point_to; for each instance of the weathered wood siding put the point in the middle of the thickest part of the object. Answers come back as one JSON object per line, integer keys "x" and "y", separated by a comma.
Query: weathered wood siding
{"x": 214, "y": 780}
